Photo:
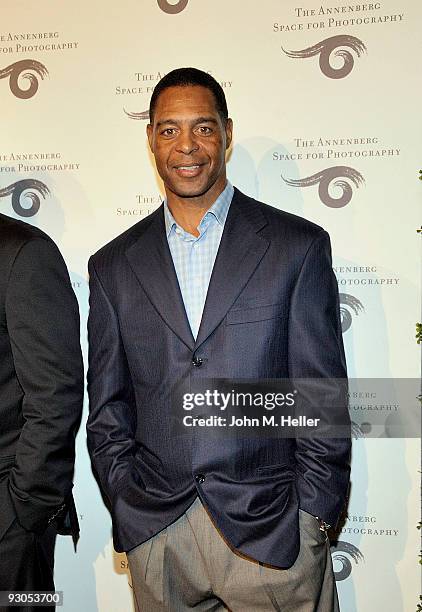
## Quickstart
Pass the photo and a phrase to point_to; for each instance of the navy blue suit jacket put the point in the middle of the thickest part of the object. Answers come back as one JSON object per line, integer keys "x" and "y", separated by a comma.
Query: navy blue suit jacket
{"x": 271, "y": 312}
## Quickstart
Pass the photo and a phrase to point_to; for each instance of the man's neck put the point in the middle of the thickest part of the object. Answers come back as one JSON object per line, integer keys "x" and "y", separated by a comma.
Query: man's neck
{"x": 188, "y": 212}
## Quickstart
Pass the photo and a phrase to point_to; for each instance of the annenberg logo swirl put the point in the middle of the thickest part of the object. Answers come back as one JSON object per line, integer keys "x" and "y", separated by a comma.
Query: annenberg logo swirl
{"x": 17, "y": 71}
{"x": 31, "y": 189}
{"x": 142, "y": 116}
{"x": 349, "y": 303}
{"x": 343, "y": 552}
{"x": 325, "y": 177}
{"x": 171, "y": 8}
{"x": 326, "y": 47}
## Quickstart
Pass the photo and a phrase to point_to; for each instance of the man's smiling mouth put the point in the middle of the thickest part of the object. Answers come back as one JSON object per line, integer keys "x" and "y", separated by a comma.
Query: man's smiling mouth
{"x": 188, "y": 166}
{"x": 188, "y": 170}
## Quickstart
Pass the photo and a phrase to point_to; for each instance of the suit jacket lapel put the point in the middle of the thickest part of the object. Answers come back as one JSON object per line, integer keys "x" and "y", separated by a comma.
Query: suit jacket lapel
{"x": 241, "y": 249}
{"x": 151, "y": 261}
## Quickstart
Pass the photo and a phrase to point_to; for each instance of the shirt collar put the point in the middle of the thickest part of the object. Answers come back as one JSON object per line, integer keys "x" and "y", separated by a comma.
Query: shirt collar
{"x": 219, "y": 209}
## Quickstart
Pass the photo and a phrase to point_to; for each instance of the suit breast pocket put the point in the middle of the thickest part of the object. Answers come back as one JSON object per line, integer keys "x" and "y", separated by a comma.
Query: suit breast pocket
{"x": 251, "y": 314}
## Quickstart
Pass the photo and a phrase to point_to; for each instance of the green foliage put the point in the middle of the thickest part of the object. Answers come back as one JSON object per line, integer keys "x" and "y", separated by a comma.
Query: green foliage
{"x": 418, "y": 333}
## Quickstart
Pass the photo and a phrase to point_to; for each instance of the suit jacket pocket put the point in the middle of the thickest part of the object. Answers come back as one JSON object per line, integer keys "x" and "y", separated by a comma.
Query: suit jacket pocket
{"x": 281, "y": 470}
{"x": 254, "y": 313}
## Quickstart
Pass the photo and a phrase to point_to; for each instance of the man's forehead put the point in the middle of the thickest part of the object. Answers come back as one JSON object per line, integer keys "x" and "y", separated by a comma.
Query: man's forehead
{"x": 184, "y": 98}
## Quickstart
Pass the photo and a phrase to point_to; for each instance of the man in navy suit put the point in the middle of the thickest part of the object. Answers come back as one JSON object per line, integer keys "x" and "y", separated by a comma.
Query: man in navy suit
{"x": 213, "y": 285}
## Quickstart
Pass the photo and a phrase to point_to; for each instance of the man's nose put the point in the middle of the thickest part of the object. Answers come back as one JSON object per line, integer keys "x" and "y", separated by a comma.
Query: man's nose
{"x": 186, "y": 142}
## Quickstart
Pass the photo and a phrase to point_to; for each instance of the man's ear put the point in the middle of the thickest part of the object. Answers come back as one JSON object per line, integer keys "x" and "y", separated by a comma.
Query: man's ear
{"x": 149, "y": 135}
{"x": 229, "y": 132}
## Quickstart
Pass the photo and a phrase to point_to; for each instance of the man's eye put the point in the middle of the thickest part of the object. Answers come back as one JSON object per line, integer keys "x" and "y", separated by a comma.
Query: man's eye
{"x": 168, "y": 132}
{"x": 203, "y": 129}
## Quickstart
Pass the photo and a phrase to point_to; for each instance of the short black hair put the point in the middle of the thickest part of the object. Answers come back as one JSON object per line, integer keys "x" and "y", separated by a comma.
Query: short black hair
{"x": 183, "y": 77}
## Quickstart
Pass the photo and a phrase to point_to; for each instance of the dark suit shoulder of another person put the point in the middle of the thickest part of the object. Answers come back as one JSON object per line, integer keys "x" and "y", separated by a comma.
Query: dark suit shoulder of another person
{"x": 19, "y": 232}
{"x": 14, "y": 235}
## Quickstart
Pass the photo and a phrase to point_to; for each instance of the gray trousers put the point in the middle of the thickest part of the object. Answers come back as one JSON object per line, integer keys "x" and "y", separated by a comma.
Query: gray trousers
{"x": 189, "y": 566}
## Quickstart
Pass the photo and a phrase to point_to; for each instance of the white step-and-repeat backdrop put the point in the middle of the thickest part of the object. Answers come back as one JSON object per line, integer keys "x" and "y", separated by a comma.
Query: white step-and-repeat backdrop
{"x": 325, "y": 98}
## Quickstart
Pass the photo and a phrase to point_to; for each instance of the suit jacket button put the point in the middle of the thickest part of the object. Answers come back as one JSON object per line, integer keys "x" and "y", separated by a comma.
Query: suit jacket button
{"x": 197, "y": 361}
{"x": 200, "y": 478}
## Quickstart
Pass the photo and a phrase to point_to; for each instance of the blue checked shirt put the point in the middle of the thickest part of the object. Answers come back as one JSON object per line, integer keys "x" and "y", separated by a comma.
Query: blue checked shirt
{"x": 194, "y": 257}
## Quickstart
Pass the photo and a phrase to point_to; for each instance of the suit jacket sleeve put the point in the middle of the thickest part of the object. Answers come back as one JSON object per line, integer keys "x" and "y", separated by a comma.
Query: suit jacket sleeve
{"x": 112, "y": 418}
{"x": 43, "y": 325}
{"x": 316, "y": 352}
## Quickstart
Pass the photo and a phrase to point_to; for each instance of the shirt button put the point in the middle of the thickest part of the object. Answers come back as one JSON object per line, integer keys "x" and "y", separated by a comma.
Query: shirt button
{"x": 200, "y": 478}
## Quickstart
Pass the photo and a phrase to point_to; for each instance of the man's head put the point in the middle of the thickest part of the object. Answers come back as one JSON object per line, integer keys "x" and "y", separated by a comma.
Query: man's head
{"x": 183, "y": 77}
{"x": 188, "y": 133}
